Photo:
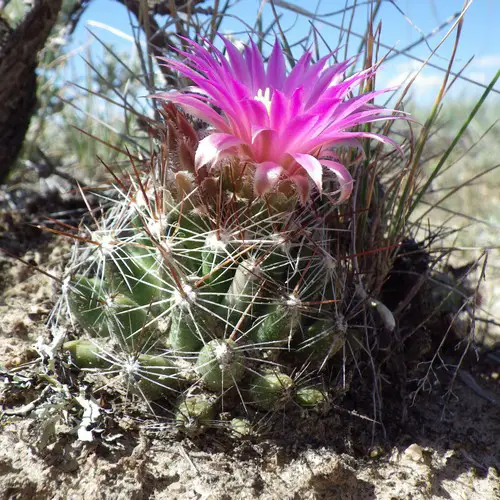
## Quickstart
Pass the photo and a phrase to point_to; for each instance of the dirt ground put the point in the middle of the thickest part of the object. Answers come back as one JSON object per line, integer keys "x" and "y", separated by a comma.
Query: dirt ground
{"x": 451, "y": 454}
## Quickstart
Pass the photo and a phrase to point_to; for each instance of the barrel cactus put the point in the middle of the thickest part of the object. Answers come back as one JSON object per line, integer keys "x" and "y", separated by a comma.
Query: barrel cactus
{"x": 216, "y": 279}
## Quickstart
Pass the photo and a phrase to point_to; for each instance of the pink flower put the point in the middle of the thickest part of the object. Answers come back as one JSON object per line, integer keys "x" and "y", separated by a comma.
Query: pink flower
{"x": 287, "y": 124}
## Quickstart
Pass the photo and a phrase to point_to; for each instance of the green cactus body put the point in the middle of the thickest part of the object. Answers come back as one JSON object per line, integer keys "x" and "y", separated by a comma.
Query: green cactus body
{"x": 86, "y": 303}
{"x": 323, "y": 339}
{"x": 106, "y": 314}
{"x": 310, "y": 397}
{"x": 136, "y": 272}
{"x": 186, "y": 231}
{"x": 194, "y": 412}
{"x": 279, "y": 326}
{"x": 87, "y": 354}
{"x": 271, "y": 391}
{"x": 220, "y": 365}
{"x": 158, "y": 377}
{"x": 217, "y": 266}
{"x": 128, "y": 322}
{"x": 191, "y": 328}
{"x": 276, "y": 262}
{"x": 241, "y": 428}
{"x": 243, "y": 294}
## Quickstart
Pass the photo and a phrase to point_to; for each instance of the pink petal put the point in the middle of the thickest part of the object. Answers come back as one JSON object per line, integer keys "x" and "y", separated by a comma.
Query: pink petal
{"x": 294, "y": 135}
{"x": 296, "y": 75}
{"x": 254, "y": 112}
{"x": 344, "y": 178}
{"x": 342, "y": 89}
{"x": 213, "y": 148}
{"x": 279, "y": 110}
{"x": 256, "y": 67}
{"x": 312, "y": 166}
{"x": 326, "y": 110}
{"x": 237, "y": 61}
{"x": 354, "y": 120}
{"x": 267, "y": 175}
{"x": 331, "y": 139}
{"x": 216, "y": 88}
{"x": 276, "y": 69}
{"x": 266, "y": 145}
{"x": 311, "y": 75}
{"x": 296, "y": 102}
{"x": 194, "y": 106}
{"x": 353, "y": 104}
{"x": 310, "y": 109}
{"x": 377, "y": 137}
{"x": 326, "y": 79}
{"x": 218, "y": 68}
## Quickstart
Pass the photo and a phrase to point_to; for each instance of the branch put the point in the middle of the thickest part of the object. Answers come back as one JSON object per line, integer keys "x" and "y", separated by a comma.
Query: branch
{"x": 19, "y": 49}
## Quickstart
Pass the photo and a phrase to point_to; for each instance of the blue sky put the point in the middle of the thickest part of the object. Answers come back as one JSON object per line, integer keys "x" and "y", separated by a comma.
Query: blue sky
{"x": 403, "y": 22}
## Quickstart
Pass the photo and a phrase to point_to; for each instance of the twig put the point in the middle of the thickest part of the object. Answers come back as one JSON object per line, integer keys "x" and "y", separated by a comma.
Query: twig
{"x": 471, "y": 382}
{"x": 54, "y": 170}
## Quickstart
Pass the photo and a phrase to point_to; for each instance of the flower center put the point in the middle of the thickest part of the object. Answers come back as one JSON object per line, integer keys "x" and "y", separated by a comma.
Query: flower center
{"x": 264, "y": 98}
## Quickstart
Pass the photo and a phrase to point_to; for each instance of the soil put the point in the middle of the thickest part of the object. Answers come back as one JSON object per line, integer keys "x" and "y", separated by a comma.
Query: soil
{"x": 446, "y": 447}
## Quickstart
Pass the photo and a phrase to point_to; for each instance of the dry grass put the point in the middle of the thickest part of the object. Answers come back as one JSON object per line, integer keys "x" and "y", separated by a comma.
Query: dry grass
{"x": 466, "y": 195}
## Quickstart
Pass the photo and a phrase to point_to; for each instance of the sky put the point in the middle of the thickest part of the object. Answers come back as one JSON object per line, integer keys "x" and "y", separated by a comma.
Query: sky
{"x": 403, "y": 23}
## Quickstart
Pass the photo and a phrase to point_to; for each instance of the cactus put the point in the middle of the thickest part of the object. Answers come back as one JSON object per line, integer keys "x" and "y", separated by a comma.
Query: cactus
{"x": 194, "y": 412}
{"x": 213, "y": 298}
{"x": 217, "y": 279}
{"x": 271, "y": 391}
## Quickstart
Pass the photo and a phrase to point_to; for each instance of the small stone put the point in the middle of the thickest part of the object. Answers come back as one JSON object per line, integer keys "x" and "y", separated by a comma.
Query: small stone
{"x": 414, "y": 452}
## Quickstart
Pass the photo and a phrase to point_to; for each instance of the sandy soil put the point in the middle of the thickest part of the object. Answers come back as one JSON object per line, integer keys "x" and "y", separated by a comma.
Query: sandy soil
{"x": 450, "y": 454}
